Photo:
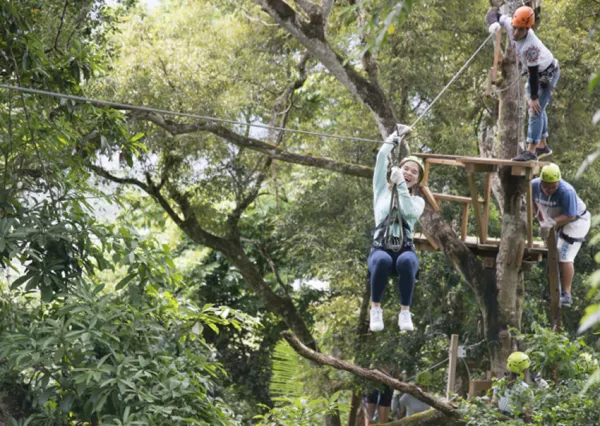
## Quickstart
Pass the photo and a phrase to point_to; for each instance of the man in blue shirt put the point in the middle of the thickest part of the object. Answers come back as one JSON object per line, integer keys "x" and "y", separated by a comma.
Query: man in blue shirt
{"x": 557, "y": 205}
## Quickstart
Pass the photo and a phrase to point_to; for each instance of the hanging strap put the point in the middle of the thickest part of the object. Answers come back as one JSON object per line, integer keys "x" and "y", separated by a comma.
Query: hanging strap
{"x": 391, "y": 242}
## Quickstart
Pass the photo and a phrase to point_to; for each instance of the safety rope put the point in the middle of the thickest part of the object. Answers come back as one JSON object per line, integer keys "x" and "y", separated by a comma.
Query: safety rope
{"x": 391, "y": 242}
{"x": 429, "y": 369}
{"x": 132, "y": 107}
{"x": 451, "y": 81}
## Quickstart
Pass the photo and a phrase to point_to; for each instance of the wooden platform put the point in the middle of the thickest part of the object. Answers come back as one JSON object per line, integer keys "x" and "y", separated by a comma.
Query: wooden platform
{"x": 489, "y": 249}
{"x": 481, "y": 206}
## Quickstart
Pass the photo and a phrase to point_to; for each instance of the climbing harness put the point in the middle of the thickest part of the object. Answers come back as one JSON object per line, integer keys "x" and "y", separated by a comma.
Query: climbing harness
{"x": 390, "y": 241}
{"x": 391, "y": 234}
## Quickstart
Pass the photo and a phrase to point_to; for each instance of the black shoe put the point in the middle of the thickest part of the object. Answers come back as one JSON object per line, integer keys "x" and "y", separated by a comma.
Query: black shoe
{"x": 525, "y": 156}
{"x": 543, "y": 152}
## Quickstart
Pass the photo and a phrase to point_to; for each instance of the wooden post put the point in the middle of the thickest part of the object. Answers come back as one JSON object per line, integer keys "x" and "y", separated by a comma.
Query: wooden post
{"x": 529, "y": 202}
{"x": 475, "y": 202}
{"x": 465, "y": 221}
{"x": 479, "y": 387}
{"x": 425, "y": 174}
{"x": 554, "y": 281}
{"x": 497, "y": 59}
{"x": 453, "y": 358}
{"x": 487, "y": 188}
{"x": 430, "y": 198}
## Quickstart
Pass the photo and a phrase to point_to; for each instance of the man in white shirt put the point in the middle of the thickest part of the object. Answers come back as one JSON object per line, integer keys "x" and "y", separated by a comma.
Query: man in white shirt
{"x": 543, "y": 70}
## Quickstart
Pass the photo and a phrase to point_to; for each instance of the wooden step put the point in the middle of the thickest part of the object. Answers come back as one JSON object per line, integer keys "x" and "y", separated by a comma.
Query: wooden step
{"x": 457, "y": 198}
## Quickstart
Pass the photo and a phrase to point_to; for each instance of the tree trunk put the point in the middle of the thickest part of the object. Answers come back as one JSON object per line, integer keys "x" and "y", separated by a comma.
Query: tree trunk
{"x": 282, "y": 306}
{"x": 509, "y": 276}
{"x": 362, "y": 339}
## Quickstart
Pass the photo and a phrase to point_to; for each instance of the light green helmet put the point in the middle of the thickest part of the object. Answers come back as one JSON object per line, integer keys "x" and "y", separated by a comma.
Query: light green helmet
{"x": 419, "y": 163}
{"x": 550, "y": 173}
{"x": 423, "y": 379}
{"x": 518, "y": 362}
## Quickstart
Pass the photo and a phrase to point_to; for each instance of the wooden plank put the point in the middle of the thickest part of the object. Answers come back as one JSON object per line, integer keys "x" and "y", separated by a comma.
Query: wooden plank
{"x": 479, "y": 387}
{"x": 465, "y": 222}
{"x": 480, "y": 168}
{"x": 430, "y": 155}
{"x": 425, "y": 179}
{"x": 450, "y": 197}
{"x": 453, "y": 359}
{"x": 445, "y": 162}
{"x": 430, "y": 198}
{"x": 518, "y": 171}
{"x": 529, "y": 201}
{"x": 423, "y": 245}
{"x": 431, "y": 241}
{"x": 534, "y": 254}
{"x": 485, "y": 220}
{"x": 500, "y": 162}
{"x": 533, "y": 258}
{"x": 554, "y": 281}
{"x": 475, "y": 201}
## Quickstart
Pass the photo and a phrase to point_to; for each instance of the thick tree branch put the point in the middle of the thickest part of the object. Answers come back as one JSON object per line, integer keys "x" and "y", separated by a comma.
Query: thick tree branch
{"x": 143, "y": 186}
{"x": 312, "y": 10}
{"x": 273, "y": 151}
{"x": 327, "y": 6}
{"x": 312, "y": 36}
{"x": 234, "y": 217}
{"x": 280, "y": 305}
{"x": 374, "y": 375}
{"x": 265, "y": 254}
{"x": 430, "y": 417}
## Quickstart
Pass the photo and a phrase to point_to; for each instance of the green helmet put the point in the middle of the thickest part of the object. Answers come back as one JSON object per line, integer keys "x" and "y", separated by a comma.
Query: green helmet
{"x": 423, "y": 379}
{"x": 518, "y": 362}
{"x": 550, "y": 173}
{"x": 419, "y": 163}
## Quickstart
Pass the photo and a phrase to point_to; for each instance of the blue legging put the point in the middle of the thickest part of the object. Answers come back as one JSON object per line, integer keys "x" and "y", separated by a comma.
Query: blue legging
{"x": 380, "y": 267}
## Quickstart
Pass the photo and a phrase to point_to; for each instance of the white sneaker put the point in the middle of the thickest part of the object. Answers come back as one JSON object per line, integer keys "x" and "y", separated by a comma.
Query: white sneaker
{"x": 404, "y": 321}
{"x": 376, "y": 323}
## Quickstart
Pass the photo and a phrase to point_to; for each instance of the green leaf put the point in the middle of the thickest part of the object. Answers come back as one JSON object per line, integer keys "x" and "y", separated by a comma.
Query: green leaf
{"x": 125, "y": 281}
{"x": 136, "y": 137}
{"x": 20, "y": 281}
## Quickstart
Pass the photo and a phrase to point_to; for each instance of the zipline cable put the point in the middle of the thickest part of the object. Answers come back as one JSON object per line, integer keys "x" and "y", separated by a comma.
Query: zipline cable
{"x": 175, "y": 113}
{"x": 132, "y": 107}
{"x": 451, "y": 80}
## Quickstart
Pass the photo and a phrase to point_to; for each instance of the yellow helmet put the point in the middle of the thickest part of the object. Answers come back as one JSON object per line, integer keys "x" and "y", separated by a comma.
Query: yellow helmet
{"x": 423, "y": 378}
{"x": 518, "y": 362}
{"x": 419, "y": 163}
{"x": 550, "y": 173}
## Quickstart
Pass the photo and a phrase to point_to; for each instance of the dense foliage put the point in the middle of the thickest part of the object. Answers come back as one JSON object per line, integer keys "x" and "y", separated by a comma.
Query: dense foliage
{"x": 126, "y": 297}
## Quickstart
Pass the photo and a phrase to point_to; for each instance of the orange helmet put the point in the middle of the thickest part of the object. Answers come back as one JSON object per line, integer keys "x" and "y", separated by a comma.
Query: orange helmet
{"x": 523, "y": 17}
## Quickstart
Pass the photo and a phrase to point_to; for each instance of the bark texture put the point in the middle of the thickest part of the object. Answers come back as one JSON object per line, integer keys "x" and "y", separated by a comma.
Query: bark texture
{"x": 375, "y": 375}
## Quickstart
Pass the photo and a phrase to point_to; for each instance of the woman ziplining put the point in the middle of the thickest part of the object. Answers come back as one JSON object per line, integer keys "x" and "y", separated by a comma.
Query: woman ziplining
{"x": 396, "y": 210}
